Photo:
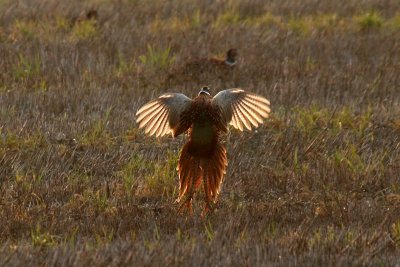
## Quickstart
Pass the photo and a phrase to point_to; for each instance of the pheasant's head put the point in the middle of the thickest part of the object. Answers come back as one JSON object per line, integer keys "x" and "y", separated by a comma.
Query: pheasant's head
{"x": 92, "y": 14}
{"x": 205, "y": 90}
{"x": 231, "y": 56}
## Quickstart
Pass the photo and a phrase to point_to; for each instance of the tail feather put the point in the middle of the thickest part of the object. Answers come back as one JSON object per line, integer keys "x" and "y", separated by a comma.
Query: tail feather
{"x": 189, "y": 172}
{"x": 217, "y": 165}
{"x": 194, "y": 174}
{"x": 206, "y": 183}
{"x": 208, "y": 190}
{"x": 183, "y": 173}
{"x": 193, "y": 169}
{"x": 214, "y": 179}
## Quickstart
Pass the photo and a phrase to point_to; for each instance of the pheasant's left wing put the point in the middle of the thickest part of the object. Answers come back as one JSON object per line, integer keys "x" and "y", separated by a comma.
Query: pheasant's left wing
{"x": 239, "y": 108}
{"x": 163, "y": 115}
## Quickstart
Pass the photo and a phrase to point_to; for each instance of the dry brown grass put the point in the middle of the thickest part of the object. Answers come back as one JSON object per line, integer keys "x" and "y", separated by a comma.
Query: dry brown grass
{"x": 318, "y": 184}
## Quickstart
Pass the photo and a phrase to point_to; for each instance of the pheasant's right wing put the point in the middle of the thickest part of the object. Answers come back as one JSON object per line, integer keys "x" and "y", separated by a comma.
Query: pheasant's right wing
{"x": 240, "y": 108}
{"x": 163, "y": 115}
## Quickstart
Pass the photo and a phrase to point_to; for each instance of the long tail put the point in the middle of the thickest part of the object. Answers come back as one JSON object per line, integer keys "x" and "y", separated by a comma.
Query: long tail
{"x": 189, "y": 172}
{"x": 214, "y": 169}
{"x": 193, "y": 169}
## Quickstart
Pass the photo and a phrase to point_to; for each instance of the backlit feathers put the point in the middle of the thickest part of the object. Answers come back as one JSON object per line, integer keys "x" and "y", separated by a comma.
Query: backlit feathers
{"x": 241, "y": 108}
{"x": 162, "y": 115}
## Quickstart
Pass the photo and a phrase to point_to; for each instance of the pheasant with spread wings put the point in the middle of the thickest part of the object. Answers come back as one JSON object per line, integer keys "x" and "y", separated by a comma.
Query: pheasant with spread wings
{"x": 203, "y": 158}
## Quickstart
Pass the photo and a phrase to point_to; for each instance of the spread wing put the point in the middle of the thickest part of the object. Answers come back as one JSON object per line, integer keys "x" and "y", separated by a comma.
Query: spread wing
{"x": 241, "y": 108}
{"x": 162, "y": 115}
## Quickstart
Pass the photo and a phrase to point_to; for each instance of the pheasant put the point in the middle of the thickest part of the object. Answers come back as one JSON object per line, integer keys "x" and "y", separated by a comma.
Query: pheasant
{"x": 200, "y": 69}
{"x": 229, "y": 61}
{"x": 90, "y": 15}
{"x": 203, "y": 158}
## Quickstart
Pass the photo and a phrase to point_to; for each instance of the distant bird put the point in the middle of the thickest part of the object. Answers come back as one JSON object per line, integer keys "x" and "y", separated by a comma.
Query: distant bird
{"x": 203, "y": 68}
{"x": 229, "y": 61}
{"x": 91, "y": 15}
{"x": 205, "y": 118}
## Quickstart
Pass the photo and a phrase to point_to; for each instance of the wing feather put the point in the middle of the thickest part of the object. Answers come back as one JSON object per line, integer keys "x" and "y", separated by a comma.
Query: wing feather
{"x": 249, "y": 115}
{"x": 239, "y": 124}
{"x": 258, "y": 114}
{"x": 153, "y": 119}
{"x": 260, "y": 108}
{"x": 163, "y": 114}
{"x": 153, "y": 127}
{"x": 163, "y": 128}
{"x": 242, "y": 116}
{"x": 234, "y": 121}
{"x": 150, "y": 117}
{"x": 240, "y": 108}
{"x": 145, "y": 111}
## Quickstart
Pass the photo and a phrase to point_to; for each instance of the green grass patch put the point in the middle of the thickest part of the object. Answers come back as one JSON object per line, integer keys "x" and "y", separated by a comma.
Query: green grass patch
{"x": 29, "y": 71}
{"x": 104, "y": 236}
{"x": 299, "y": 26}
{"x": 27, "y": 68}
{"x": 315, "y": 118}
{"x": 123, "y": 66}
{"x": 157, "y": 58}
{"x": 43, "y": 29}
{"x": 370, "y": 20}
{"x": 24, "y": 30}
{"x": 164, "y": 178}
{"x": 266, "y": 20}
{"x": 160, "y": 178}
{"x": 350, "y": 158}
{"x": 394, "y": 22}
{"x": 41, "y": 238}
{"x": 62, "y": 23}
{"x": 177, "y": 24}
{"x": 130, "y": 173}
{"x": 84, "y": 30}
{"x": 326, "y": 21}
{"x": 324, "y": 237}
{"x": 227, "y": 18}
{"x": 14, "y": 141}
{"x": 98, "y": 134}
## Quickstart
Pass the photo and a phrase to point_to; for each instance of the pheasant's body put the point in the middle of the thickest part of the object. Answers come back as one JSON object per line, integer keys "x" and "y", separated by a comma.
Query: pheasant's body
{"x": 203, "y": 158}
{"x": 203, "y": 118}
{"x": 202, "y": 68}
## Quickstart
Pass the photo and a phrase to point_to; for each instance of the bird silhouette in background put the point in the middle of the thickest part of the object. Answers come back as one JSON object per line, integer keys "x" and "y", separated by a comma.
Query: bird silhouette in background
{"x": 203, "y": 158}
{"x": 227, "y": 62}
{"x": 89, "y": 15}
{"x": 203, "y": 68}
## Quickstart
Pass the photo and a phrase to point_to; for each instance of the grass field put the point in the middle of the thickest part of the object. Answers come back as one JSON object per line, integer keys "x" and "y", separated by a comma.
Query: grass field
{"x": 317, "y": 185}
